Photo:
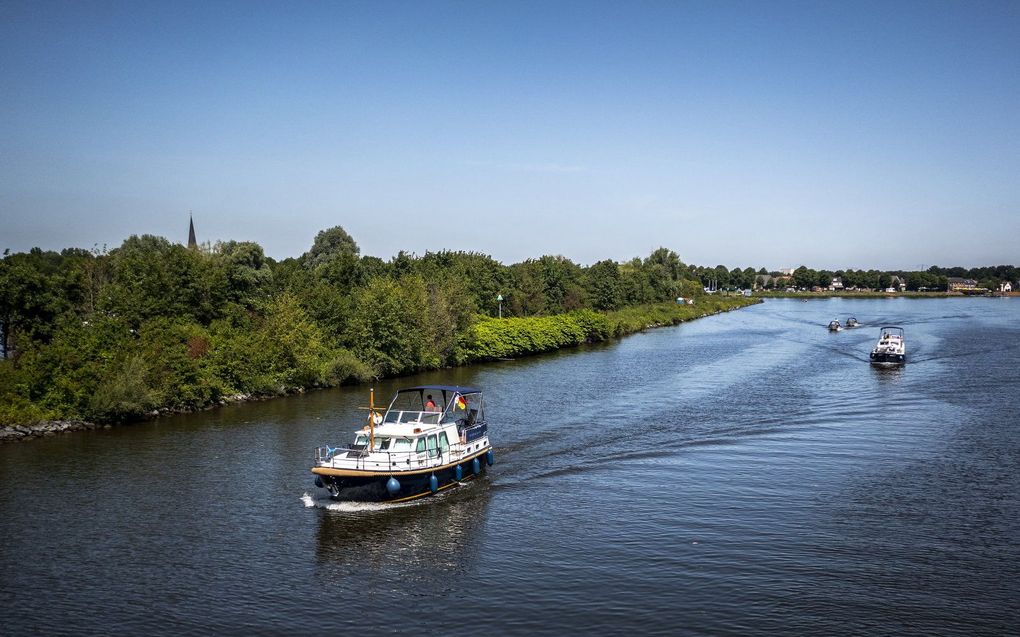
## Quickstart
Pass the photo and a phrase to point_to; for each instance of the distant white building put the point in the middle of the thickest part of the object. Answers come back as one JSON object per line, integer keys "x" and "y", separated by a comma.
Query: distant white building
{"x": 837, "y": 283}
{"x": 786, "y": 271}
{"x": 1005, "y": 286}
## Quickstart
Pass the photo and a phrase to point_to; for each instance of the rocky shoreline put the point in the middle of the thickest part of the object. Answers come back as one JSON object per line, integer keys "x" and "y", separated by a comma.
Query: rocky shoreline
{"x": 18, "y": 433}
{"x": 45, "y": 428}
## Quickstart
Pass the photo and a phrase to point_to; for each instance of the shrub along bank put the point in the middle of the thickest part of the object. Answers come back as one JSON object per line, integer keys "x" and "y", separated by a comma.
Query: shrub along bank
{"x": 179, "y": 367}
{"x": 508, "y": 338}
{"x": 153, "y": 327}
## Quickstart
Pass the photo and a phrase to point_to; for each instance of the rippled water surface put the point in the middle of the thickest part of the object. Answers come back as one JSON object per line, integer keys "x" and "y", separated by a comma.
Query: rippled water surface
{"x": 748, "y": 473}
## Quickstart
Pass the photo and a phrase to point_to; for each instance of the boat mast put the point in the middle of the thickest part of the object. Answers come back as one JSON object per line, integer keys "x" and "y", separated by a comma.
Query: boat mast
{"x": 371, "y": 419}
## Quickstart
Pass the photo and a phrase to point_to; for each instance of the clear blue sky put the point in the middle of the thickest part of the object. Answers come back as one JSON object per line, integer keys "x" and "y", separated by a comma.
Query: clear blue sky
{"x": 744, "y": 133}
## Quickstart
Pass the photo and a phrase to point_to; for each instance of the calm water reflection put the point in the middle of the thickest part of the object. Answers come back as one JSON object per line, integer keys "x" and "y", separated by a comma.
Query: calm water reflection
{"x": 750, "y": 473}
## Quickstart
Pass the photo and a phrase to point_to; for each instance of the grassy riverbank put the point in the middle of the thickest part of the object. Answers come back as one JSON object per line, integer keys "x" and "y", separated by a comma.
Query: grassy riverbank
{"x": 513, "y": 337}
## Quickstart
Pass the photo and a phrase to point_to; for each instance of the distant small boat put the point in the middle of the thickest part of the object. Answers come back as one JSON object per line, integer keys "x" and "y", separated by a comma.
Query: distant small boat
{"x": 891, "y": 348}
{"x": 834, "y": 326}
{"x": 852, "y": 323}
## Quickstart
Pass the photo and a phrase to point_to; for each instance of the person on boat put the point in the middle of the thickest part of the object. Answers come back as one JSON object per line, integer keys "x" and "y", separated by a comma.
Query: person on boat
{"x": 430, "y": 405}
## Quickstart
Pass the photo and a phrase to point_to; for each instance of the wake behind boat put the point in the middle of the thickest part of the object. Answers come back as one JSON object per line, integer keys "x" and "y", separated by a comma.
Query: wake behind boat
{"x": 891, "y": 348}
{"x": 429, "y": 438}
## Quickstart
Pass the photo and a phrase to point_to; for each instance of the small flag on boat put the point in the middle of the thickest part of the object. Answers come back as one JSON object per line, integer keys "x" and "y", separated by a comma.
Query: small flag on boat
{"x": 461, "y": 403}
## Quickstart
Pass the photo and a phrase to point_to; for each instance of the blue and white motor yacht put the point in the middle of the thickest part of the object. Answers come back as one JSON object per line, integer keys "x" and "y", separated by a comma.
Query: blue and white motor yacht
{"x": 430, "y": 438}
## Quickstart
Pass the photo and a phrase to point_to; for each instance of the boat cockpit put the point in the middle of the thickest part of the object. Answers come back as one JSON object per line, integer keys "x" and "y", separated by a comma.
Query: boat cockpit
{"x": 436, "y": 405}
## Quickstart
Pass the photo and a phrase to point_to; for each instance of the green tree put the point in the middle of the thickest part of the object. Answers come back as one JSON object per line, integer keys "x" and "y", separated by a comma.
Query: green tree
{"x": 603, "y": 282}
{"x": 152, "y": 277}
{"x": 249, "y": 277}
{"x": 805, "y": 278}
{"x": 31, "y": 297}
{"x": 329, "y": 244}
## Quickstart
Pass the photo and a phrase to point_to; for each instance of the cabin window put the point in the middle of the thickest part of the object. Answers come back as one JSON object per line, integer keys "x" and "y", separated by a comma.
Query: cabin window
{"x": 361, "y": 441}
{"x": 402, "y": 444}
{"x": 420, "y": 447}
{"x": 444, "y": 444}
{"x": 382, "y": 444}
{"x": 432, "y": 446}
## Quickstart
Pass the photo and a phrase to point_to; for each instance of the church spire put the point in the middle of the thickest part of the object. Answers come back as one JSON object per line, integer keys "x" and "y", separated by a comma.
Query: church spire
{"x": 192, "y": 242}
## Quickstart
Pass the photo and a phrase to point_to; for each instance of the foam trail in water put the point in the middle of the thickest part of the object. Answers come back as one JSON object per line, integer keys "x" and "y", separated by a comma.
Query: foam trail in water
{"x": 353, "y": 507}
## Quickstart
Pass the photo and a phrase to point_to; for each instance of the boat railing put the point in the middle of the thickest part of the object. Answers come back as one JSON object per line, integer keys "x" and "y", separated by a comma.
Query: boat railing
{"x": 398, "y": 460}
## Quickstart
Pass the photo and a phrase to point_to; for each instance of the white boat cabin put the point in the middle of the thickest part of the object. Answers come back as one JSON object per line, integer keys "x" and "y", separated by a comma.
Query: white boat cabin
{"x": 423, "y": 427}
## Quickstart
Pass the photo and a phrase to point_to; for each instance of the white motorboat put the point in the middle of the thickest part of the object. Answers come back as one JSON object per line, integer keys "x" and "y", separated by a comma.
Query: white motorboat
{"x": 891, "y": 348}
{"x": 430, "y": 438}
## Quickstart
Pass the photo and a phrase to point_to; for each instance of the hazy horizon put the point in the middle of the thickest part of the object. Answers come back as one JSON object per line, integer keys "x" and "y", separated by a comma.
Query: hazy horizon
{"x": 877, "y": 135}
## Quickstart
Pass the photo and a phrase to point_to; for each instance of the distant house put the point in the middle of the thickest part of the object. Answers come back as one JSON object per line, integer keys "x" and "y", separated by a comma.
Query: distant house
{"x": 761, "y": 281}
{"x": 957, "y": 284}
{"x": 786, "y": 271}
{"x": 837, "y": 283}
{"x": 897, "y": 284}
{"x": 1005, "y": 286}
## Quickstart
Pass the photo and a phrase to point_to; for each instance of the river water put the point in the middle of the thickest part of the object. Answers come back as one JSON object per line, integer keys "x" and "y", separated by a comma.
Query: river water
{"x": 748, "y": 473}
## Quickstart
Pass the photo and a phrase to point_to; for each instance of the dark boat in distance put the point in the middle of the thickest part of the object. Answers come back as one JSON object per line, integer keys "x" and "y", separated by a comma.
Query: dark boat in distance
{"x": 430, "y": 438}
{"x": 891, "y": 348}
{"x": 852, "y": 322}
{"x": 834, "y": 326}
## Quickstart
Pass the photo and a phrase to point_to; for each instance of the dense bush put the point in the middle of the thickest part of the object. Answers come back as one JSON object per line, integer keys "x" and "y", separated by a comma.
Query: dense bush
{"x": 154, "y": 325}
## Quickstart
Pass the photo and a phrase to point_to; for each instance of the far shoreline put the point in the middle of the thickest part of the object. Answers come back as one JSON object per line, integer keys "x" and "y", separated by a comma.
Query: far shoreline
{"x": 879, "y": 295}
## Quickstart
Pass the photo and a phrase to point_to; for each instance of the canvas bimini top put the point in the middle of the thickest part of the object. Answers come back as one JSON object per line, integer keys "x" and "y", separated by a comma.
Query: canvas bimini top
{"x": 447, "y": 388}
{"x": 435, "y": 404}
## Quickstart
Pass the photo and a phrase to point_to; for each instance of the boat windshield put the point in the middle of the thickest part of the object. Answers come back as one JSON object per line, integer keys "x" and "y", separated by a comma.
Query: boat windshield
{"x": 416, "y": 406}
{"x": 434, "y": 406}
{"x": 892, "y": 332}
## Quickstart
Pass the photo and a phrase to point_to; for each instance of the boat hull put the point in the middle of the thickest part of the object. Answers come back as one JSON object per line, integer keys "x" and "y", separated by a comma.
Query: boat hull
{"x": 884, "y": 358}
{"x": 372, "y": 486}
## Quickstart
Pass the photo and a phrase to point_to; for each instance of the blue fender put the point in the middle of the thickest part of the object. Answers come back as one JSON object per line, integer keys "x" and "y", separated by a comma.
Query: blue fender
{"x": 433, "y": 483}
{"x": 490, "y": 458}
{"x": 458, "y": 473}
{"x": 318, "y": 482}
{"x": 393, "y": 485}
{"x": 476, "y": 466}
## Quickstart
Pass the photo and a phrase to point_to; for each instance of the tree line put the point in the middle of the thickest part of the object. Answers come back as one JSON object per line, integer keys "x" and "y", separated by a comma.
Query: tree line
{"x": 934, "y": 278}
{"x": 107, "y": 335}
